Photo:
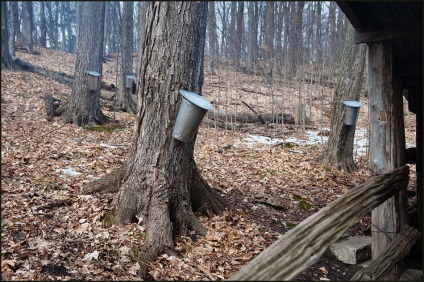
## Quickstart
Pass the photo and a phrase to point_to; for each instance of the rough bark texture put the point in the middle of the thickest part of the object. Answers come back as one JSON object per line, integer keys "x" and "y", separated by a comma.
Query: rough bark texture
{"x": 160, "y": 171}
{"x": 304, "y": 245}
{"x": 6, "y": 58}
{"x": 125, "y": 102}
{"x": 338, "y": 151}
{"x": 84, "y": 105}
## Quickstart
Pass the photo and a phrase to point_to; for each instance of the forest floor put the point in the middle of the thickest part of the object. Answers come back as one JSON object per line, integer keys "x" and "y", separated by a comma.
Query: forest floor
{"x": 51, "y": 230}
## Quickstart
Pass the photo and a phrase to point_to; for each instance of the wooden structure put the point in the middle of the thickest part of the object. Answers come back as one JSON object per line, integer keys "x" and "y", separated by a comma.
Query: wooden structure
{"x": 393, "y": 33}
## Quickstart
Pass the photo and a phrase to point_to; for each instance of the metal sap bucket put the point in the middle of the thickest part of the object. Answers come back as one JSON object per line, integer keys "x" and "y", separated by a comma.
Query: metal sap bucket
{"x": 352, "y": 110}
{"x": 129, "y": 81}
{"x": 190, "y": 114}
{"x": 92, "y": 80}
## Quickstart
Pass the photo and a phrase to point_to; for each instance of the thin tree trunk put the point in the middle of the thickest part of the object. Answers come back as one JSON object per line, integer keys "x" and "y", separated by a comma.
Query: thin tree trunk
{"x": 43, "y": 27}
{"x": 6, "y": 58}
{"x": 14, "y": 26}
{"x": 125, "y": 101}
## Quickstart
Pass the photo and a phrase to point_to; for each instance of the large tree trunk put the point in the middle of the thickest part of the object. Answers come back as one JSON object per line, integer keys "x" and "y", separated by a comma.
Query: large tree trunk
{"x": 338, "y": 151}
{"x": 161, "y": 177}
{"x": 125, "y": 101}
{"x": 84, "y": 105}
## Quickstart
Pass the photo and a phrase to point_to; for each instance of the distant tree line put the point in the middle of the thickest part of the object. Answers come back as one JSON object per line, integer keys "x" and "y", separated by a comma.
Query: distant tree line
{"x": 277, "y": 35}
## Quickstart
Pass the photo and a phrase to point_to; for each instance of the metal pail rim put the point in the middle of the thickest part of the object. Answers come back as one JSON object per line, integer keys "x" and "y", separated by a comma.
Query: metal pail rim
{"x": 354, "y": 104}
{"x": 196, "y": 99}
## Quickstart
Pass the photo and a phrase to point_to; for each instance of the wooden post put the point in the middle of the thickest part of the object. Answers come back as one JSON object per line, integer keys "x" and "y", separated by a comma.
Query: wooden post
{"x": 387, "y": 142}
{"x": 419, "y": 165}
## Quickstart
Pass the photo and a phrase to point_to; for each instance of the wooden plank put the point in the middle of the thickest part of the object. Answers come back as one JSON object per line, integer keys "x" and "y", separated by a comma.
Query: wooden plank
{"x": 384, "y": 32}
{"x": 304, "y": 245}
{"x": 395, "y": 252}
{"x": 387, "y": 142}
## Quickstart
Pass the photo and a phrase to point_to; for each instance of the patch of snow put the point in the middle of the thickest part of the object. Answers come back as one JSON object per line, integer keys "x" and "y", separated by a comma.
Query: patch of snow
{"x": 65, "y": 172}
{"x": 311, "y": 138}
{"x": 111, "y": 146}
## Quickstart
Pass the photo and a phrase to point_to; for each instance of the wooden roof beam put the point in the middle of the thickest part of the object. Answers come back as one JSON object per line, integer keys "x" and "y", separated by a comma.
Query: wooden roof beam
{"x": 389, "y": 31}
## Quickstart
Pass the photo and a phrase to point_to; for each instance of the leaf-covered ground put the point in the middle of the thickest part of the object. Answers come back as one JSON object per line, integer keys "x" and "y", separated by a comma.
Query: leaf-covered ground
{"x": 51, "y": 230}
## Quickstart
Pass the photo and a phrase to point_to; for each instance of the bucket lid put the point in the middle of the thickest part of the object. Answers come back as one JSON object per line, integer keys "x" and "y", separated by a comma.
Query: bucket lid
{"x": 197, "y": 99}
{"x": 93, "y": 73}
{"x": 354, "y": 104}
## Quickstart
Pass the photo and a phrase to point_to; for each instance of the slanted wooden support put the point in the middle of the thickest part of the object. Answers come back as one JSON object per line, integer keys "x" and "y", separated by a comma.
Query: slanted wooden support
{"x": 387, "y": 142}
{"x": 304, "y": 245}
{"x": 396, "y": 251}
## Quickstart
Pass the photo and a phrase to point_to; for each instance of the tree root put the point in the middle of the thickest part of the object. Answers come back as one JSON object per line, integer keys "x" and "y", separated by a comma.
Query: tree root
{"x": 108, "y": 184}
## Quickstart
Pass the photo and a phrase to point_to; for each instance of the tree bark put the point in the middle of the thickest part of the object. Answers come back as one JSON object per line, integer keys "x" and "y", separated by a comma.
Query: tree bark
{"x": 27, "y": 25}
{"x": 338, "y": 151}
{"x": 51, "y": 27}
{"x": 161, "y": 185}
{"x": 14, "y": 26}
{"x": 6, "y": 58}
{"x": 212, "y": 34}
{"x": 84, "y": 104}
{"x": 125, "y": 102}
{"x": 43, "y": 26}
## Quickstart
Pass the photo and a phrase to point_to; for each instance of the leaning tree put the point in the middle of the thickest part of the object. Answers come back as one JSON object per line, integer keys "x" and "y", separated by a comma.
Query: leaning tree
{"x": 84, "y": 105}
{"x": 160, "y": 185}
{"x": 338, "y": 152}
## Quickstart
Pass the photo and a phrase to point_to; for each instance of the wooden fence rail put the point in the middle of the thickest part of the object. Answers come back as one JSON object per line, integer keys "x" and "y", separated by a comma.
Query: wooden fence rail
{"x": 304, "y": 245}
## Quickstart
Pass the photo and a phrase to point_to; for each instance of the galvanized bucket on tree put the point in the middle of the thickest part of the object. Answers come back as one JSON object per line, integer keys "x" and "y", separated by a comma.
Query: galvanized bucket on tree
{"x": 352, "y": 110}
{"x": 93, "y": 78}
{"x": 190, "y": 114}
{"x": 129, "y": 80}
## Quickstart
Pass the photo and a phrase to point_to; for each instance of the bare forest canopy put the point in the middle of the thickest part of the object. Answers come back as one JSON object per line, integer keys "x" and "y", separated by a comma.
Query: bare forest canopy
{"x": 249, "y": 35}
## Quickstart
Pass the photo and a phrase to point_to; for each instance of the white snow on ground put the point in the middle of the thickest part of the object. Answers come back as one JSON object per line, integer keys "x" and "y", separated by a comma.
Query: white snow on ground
{"x": 67, "y": 172}
{"x": 360, "y": 143}
{"x": 312, "y": 137}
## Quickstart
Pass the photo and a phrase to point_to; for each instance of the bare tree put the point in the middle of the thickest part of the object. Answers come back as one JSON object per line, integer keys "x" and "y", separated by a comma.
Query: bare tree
{"x": 27, "y": 25}
{"x": 338, "y": 151}
{"x": 160, "y": 185}
{"x": 125, "y": 101}
{"x": 6, "y": 58}
{"x": 269, "y": 35}
{"x": 239, "y": 34}
{"x": 84, "y": 105}
{"x": 14, "y": 26}
{"x": 43, "y": 25}
{"x": 212, "y": 34}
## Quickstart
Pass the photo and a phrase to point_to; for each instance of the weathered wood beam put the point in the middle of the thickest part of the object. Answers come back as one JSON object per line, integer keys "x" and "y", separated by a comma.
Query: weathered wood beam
{"x": 387, "y": 141}
{"x": 396, "y": 251}
{"x": 390, "y": 31}
{"x": 304, "y": 245}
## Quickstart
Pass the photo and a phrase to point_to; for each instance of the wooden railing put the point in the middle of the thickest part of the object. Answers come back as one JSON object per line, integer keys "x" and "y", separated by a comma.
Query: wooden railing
{"x": 304, "y": 245}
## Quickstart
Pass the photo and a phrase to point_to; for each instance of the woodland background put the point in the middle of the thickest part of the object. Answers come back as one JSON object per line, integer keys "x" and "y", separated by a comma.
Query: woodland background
{"x": 277, "y": 57}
